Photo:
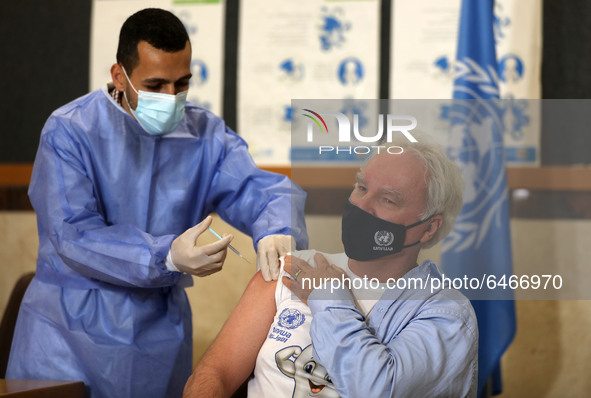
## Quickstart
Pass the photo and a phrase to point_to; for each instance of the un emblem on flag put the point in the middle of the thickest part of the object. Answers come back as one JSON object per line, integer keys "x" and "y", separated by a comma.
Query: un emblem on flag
{"x": 476, "y": 145}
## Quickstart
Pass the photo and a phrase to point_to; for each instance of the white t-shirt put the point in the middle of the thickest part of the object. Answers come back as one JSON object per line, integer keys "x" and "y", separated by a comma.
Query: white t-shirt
{"x": 285, "y": 365}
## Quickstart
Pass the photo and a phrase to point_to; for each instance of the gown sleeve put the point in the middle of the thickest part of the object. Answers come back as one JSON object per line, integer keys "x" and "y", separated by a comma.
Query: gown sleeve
{"x": 70, "y": 219}
{"x": 255, "y": 201}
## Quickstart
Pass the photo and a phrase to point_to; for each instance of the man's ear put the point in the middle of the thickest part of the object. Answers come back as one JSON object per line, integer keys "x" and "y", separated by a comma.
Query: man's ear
{"x": 118, "y": 76}
{"x": 433, "y": 226}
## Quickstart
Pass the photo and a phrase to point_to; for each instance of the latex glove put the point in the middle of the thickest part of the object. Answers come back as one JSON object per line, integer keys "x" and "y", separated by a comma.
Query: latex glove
{"x": 199, "y": 260}
{"x": 269, "y": 249}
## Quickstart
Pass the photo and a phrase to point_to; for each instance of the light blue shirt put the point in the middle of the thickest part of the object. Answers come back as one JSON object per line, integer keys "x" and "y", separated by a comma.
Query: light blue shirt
{"x": 415, "y": 343}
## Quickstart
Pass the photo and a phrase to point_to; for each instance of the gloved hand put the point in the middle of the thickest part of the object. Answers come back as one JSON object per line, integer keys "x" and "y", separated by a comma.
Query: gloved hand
{"x": 269, "y": 249}
{"x": 199, "y": 260}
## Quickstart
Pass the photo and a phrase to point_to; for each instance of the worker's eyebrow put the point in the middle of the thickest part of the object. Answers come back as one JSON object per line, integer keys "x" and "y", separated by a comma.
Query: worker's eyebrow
{"x": 159, "y": 80}
{"x": 186, "y": 77}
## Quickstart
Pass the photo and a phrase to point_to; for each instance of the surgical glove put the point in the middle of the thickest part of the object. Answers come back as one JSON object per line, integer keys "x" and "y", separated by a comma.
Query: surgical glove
{"x": 269, "y": 249}
{"x": 199, "y": 260}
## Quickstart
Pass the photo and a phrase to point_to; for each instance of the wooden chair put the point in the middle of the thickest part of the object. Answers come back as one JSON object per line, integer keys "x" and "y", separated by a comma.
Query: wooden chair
{"x": 9, "y": 319}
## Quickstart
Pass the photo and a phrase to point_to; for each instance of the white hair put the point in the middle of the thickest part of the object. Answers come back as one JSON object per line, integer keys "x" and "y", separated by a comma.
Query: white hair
{"x": 445, "y": 186}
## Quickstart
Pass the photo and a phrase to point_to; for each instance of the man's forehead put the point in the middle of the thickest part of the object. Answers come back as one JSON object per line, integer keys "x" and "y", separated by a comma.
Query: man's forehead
{"x": 155, "y": 64}
{"x": 396, "y": 172}
{"x": 150, "y": 54}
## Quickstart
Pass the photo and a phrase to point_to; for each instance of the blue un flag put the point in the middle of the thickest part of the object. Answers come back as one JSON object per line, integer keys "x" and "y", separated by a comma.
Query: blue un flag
{"x": 479, "y": 245}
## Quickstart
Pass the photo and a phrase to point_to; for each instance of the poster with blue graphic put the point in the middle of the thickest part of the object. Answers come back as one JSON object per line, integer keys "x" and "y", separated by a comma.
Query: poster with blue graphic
{"x": 306, "y": 49}
{"x": 204, "y": 21}
{"x": 518, "y": 41}
{"x": 422, "y": 48}
{"x": 423, "y": 66}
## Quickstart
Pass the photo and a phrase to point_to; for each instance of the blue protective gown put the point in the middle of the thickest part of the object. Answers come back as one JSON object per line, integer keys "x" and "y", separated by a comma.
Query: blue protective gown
{"x": 110, "y": 199}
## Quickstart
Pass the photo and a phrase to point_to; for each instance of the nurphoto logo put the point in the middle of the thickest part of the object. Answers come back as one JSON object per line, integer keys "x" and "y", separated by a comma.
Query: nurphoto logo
{"x": 394, "y": 124}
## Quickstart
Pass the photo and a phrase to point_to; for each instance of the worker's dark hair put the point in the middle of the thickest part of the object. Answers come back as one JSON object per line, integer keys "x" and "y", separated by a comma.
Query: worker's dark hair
{"x": 160, "y": 28}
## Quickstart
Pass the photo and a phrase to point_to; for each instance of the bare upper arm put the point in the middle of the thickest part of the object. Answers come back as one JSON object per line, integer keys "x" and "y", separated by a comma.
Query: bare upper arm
{"x": 231, "y": 357}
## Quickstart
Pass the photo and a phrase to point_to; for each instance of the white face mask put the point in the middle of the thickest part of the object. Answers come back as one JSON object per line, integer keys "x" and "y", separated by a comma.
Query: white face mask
{"x": 158, "y": 113}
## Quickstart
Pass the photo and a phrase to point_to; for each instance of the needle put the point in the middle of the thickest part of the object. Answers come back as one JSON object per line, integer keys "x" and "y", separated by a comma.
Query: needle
{"x": 229, "y": 246}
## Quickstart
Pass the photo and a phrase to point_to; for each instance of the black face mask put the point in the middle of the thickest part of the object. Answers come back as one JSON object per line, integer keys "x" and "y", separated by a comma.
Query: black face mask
{"x": 367, "y": 237}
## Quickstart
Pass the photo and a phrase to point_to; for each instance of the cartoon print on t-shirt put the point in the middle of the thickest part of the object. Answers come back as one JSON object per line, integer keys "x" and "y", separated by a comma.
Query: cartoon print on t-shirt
{"x": 311, "y": 378}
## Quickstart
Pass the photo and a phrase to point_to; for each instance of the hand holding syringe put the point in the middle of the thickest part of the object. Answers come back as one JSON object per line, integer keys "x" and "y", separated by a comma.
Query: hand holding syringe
{"x": 197, "y": 259}
{"x": 229, "y": 246}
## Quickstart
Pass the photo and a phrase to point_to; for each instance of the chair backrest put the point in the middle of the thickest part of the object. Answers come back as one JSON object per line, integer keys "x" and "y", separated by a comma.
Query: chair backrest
{"x": 9, "y": 319}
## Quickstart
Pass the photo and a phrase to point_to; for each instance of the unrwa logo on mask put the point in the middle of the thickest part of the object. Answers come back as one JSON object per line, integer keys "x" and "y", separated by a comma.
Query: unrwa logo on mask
{"x": 344, "y": 126}
{"x": 383, "y": 239}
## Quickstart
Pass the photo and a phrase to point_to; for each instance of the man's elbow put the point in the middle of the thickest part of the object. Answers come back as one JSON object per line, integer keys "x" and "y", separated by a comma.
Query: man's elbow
{"x": 205, "y": 382}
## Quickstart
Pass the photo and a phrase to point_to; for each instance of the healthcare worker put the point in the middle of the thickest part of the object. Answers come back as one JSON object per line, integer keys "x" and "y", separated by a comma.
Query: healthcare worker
{"x": 122, "y": 185}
